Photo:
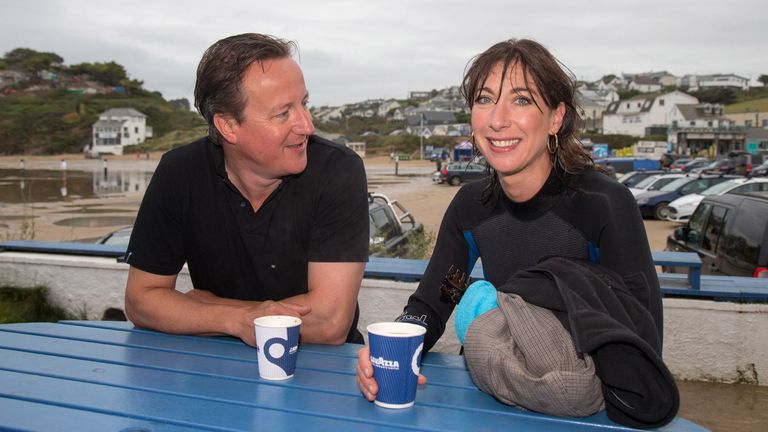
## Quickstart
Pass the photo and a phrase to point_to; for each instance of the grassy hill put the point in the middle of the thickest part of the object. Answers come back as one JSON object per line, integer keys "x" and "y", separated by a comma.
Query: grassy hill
{"x": 59, "y": 122}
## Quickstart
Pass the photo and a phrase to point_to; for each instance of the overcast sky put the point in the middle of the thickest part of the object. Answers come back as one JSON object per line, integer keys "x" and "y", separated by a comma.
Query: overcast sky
{"x": 356, "y": 50}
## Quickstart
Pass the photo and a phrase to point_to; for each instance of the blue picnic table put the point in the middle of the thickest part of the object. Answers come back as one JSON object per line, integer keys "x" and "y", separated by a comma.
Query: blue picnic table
{"x": 111, "y": 376}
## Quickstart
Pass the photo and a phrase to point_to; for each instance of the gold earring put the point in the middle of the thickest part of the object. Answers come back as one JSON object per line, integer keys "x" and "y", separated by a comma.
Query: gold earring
{"x": 549, "y": 147}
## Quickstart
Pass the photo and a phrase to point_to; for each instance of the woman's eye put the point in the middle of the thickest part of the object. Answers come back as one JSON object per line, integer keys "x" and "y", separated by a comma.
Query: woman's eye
{"x": 482, "y": 100}
{"x": 522, "y": 101}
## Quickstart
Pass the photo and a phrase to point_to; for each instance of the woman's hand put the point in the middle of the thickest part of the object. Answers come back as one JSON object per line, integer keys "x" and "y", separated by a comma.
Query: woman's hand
{"x": 365, "y": 381}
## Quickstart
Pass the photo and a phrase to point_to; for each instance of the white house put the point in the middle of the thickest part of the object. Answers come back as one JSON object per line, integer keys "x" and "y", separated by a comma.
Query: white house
{"x": 117, "y": 128}
{"x": 644, "y": 84}
{"x": 386, "y": 107}
{"x": 633, "y": 116}
{"x": 696, "y": 82}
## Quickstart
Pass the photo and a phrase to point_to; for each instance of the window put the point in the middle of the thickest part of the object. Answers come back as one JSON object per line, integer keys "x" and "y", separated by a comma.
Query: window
{"x": 743, "y": 240}
{"x": 717, "y": 219}
{"x": 381, "y": 225}
{"x": 136, "y": 130}
{"x": 696, "y": 224}
{"x": 748, "y": 123}
{"x": 692, "y": 123}
{"x": 661, "y": 102}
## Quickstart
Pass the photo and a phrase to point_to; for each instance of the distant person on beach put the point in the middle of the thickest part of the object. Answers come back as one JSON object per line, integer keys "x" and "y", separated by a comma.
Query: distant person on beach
{"x": 269, "y": 218}
{"x": 544, "y": 197}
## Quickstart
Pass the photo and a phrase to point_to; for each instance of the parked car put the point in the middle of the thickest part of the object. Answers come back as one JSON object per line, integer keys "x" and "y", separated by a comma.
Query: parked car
{"x": 720, "y": 166}
{"x": 392, "y": 226}
{"x": 678, "y": 164}
{"x": 457, "y": 173}
{"x": 653, "y": 204}
{"x": 654, "y": 182}
{"x": 759, "y": 171}
{"x": 624, "y": 165}
{"x": 695, "y": 163}
{"x": 632, "y": 178}
{"x": 120, "y": 237}
{"x": 729, "y": 232}
{"x": 681, "y": 209}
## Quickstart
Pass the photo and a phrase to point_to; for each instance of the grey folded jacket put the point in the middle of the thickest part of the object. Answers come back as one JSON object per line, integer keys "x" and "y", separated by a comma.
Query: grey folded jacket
{"x": 522, "y": 355}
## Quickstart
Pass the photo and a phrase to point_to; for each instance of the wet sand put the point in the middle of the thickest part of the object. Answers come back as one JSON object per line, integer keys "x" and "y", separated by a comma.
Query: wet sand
{"x": 719, "y": 407}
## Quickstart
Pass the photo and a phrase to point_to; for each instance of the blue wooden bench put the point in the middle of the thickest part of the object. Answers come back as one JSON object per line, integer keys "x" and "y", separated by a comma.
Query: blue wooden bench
{"x": 681, "y": 259}
{"x": 66, "y": 248}
{"x": 692, "y": 285}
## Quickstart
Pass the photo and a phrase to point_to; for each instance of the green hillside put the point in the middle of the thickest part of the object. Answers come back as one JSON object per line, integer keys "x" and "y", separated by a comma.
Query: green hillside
{"x": 754, "y": 105}
{"x": 60, "y": 122}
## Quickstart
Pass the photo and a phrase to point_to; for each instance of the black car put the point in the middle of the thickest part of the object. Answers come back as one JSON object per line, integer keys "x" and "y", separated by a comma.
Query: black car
{"x": 694, "y": 164}
{"x": 730, "y": 234}
{"x": 457, "y": 173}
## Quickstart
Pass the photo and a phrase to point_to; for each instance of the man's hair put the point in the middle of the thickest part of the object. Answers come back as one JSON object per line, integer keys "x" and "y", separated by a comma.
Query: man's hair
{"x": 553, "y": 83}
{"x": 218, "y": 89}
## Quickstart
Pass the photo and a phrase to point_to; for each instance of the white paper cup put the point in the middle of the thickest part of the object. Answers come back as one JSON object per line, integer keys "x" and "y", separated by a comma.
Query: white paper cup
{"x": 396, "y": 356}
{"x": 277, "y": 343}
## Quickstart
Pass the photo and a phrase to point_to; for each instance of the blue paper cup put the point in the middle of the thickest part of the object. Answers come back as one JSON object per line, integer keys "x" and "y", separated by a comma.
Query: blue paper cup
{"x": 277, "y": 343}
{"x": 396, "y": 357}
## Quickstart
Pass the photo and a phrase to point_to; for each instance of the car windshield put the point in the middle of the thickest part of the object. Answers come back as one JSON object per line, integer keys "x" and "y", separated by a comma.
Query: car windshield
{"x": 720, "y": 188}
{"x": 642, "y": 184}
{"x": 661, "y": 182}
{"x": 675, "y": 185}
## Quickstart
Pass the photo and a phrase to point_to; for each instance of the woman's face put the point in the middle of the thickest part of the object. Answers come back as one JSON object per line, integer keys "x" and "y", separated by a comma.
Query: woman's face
{"x": 510, "y": 130}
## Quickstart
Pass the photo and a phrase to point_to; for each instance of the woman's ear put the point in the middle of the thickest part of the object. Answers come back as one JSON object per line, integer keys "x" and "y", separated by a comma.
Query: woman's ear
{"x": 558, "y": 114}
{"x": 227, "y": 127}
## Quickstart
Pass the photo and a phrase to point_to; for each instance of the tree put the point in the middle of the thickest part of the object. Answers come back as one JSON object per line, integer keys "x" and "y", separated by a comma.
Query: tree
{"x": 608, "y": 78}
{"x": 30, "y": 60}
{"x": 722, "y": 96}
{"x": 109, "y": 73}
{"x": 763, "y": 79}
{"x": 180, "y": 104}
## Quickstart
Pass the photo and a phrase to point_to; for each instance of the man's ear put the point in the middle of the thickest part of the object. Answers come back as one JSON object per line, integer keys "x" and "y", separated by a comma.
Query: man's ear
{"x": 227, "y": 127}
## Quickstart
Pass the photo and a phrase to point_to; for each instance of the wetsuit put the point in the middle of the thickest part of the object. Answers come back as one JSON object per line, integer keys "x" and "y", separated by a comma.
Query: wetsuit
{"x": 587, "y": 216}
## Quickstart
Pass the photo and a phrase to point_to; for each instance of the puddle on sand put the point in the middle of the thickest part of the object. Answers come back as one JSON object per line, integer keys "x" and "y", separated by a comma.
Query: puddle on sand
{"x": 96, "y": 221}
{"x": 35, "y": 186}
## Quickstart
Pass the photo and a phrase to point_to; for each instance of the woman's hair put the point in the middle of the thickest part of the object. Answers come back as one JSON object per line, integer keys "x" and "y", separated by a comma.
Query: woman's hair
{"x": 218, "y": 89}
{"x": 553, "y": 84}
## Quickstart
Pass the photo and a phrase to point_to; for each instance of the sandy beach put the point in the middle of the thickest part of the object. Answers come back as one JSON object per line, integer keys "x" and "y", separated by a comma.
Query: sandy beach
{"x": 413, "y": 187}
{"x": 739, "y": 407}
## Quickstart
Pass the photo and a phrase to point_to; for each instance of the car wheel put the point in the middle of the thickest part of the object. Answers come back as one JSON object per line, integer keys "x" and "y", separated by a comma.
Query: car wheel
{"x": 455, "y": 181}
{"x": 661, "y": 211}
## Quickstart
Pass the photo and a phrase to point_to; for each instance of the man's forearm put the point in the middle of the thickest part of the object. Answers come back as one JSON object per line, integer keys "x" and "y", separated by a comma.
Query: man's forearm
{"x": 171, "y": 311}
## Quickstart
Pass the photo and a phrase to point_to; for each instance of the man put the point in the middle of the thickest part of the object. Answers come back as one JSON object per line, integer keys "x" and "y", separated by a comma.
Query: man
{"x": 270, "y": 219}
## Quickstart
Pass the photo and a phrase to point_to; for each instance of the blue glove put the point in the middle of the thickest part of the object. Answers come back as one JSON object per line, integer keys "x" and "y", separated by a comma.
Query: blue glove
{"x": 479, "y": 298}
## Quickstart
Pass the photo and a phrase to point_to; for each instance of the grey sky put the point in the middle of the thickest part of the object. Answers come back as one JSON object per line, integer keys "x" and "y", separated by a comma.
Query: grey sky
{"x": 355, "y": 50}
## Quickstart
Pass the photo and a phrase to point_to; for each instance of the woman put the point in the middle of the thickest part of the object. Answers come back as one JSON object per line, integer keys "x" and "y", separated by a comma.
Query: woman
{"x": 543, "y": 196}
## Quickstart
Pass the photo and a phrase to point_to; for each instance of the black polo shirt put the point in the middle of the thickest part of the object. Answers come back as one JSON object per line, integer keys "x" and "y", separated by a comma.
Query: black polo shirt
{"x": 192, "y": 213}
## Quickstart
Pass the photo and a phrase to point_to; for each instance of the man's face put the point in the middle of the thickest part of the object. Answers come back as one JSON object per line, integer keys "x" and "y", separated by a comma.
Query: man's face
{"x": 271, "y": 139}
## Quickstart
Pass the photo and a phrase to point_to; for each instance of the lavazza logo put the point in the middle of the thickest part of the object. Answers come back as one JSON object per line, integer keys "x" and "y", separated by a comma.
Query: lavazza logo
{"x": 384, "y": 363}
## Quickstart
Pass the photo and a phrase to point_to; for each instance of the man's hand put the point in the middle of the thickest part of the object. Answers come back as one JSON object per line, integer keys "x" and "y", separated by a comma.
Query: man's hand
{"x": 246, "y": 330}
